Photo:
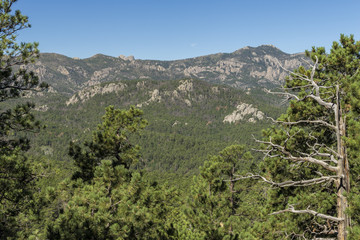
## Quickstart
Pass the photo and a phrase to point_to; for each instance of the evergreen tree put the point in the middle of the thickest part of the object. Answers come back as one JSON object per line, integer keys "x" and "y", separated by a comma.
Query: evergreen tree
{"x": 109, "y": 200}
{"x": 313, "y": 155}
{"x": 110, "y": 141}
{"x": 220, "y": 206}
{"x": 117, "y": 204}
{"x": 15, "y": 80}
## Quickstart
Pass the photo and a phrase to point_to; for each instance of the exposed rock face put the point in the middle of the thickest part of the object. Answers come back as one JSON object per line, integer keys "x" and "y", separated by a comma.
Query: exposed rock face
{"x": 176, "y": 123}
{"x": 63, "y": 70}
{"x": 42, "y": 108}
{"x": 246, "y": 67}
{"x": 186, "y": 86}
{"x": 155, "y": 97}
{"x": 90, "y": 92}
{"x": 181, "y": 94}
{"x": 244, "y": 110}
{"x": 41, "y": 72}
{"x": 129, "y": 58}
{"x": 215, "y": 90}
{"x": 140, "y": 85}
{"x": 187, "y": 102}
{"x": 38, "y": 92}
{"x": 194, "y": 70}
{"x": 101, "y": 74}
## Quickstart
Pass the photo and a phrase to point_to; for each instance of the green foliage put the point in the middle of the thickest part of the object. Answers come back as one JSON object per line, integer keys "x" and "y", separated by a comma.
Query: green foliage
{"x": 305, "y": 139}
{"x": 115, "y": 202}
{"x": 15, "y": 189}
{"x": 39, "y": 206}
{"x": 111, "y": 140}
{"x": 106, "y": 196}
{"x": 220, "y": 208}
{"x": 178, "y": 138}
{"x": 16, "y": 177}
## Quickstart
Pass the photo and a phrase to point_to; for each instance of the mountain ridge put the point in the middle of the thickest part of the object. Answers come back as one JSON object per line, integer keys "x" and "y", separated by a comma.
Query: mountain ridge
{"x": 180, "y": 59}
{"x": 247, "y": 67}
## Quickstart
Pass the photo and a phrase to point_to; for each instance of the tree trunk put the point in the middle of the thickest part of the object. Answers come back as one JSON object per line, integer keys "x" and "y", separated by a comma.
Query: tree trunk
{"x": 343, "y": 182}
{"x": 232, "y": 196}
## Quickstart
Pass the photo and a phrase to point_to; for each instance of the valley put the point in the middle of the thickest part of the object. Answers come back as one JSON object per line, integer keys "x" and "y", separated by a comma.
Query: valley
{"x": 189, "y": 117}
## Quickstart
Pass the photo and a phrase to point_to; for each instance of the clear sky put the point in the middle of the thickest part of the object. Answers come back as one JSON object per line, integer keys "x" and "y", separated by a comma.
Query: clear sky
{"x": 177, "y": 29}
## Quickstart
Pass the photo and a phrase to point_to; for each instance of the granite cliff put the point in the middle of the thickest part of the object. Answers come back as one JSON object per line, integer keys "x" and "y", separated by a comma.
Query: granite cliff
{"x": 245, "y": 68}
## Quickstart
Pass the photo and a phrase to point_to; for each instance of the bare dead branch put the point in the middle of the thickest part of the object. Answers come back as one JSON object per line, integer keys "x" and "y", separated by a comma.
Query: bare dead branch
{"x": 289, "y": 95}
{"x": 308, "y": 211}
{"x": 289, "y": 183}
{"x": 311, "y": 81}
{"x": 289, "y": 156}
{"x": 321, "y": 122}
{"x": 319, "y": 100}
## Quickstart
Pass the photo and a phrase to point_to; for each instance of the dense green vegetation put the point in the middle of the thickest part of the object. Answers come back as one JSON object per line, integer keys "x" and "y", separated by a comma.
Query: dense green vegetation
{"x": 144, "y": 159}
{"x": 178, "y": 137}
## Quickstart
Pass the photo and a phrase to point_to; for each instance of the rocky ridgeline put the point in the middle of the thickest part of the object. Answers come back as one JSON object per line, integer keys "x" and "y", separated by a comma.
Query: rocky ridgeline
{"x": 90, "y": 92}
{"x": 247, "y": 67}
{"x": 180, "y": 94}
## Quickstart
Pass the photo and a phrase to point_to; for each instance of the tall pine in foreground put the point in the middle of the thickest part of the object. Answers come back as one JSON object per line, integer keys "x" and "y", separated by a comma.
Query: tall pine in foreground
{"x": 312, "y": 156}
{"x": 110, "y": 141}
{"x": 219, "y": 207}
{"x": 106, "y": 198}
{"x": 16, "y": 177}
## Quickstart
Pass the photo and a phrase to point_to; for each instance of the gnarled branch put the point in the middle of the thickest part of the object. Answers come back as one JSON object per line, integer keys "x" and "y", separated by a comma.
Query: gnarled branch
{"x": 290, "y": 183}
{"x": 289, "y": 156}
{"x": 321, "y": 122}
{"x": 308, "y": 211}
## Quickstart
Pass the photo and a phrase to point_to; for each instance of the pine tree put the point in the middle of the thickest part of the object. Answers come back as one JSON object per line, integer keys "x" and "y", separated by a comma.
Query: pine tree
{"x": 220, "y": 206}
{"x": 15, "y": 80}
{"x": 108, "y": 199}
{"x": 313, "y": 154}
{"x": 110, "y": 141}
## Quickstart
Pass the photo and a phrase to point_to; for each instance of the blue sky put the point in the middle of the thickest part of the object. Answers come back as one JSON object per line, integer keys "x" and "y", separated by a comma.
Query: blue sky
{"x": 177, "y": 29}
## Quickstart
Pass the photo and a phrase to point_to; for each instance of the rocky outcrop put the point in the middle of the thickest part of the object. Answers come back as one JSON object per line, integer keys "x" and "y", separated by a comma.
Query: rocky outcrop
{"x": 127, "y": 58}
{"x": 246, "y": 67}
{"x": 155, "y": 97}
{"x": 194, "y": 70}
{"x": 180, "y": 94}
{"x": 215, "y": 90}
{"x": 37, "y": 92}
{"x": 186, "y": 86}
{"x": 63, "y": 70}
{"x": 242, "y": 112}
{"x": 42, "y": 108}
{"x": 101, "y": 74}
{"x": 90, "y": 92}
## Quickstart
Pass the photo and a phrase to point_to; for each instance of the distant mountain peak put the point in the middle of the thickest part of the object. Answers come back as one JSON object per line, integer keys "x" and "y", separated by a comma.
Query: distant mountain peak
{"x": 268, "y": 45}
{"x": 261, "y": 47}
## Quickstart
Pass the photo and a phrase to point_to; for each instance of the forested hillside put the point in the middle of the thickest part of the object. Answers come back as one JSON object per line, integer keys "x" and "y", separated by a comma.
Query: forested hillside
{"x": 118, "y": 148}
{"x": 188, "y": 119}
